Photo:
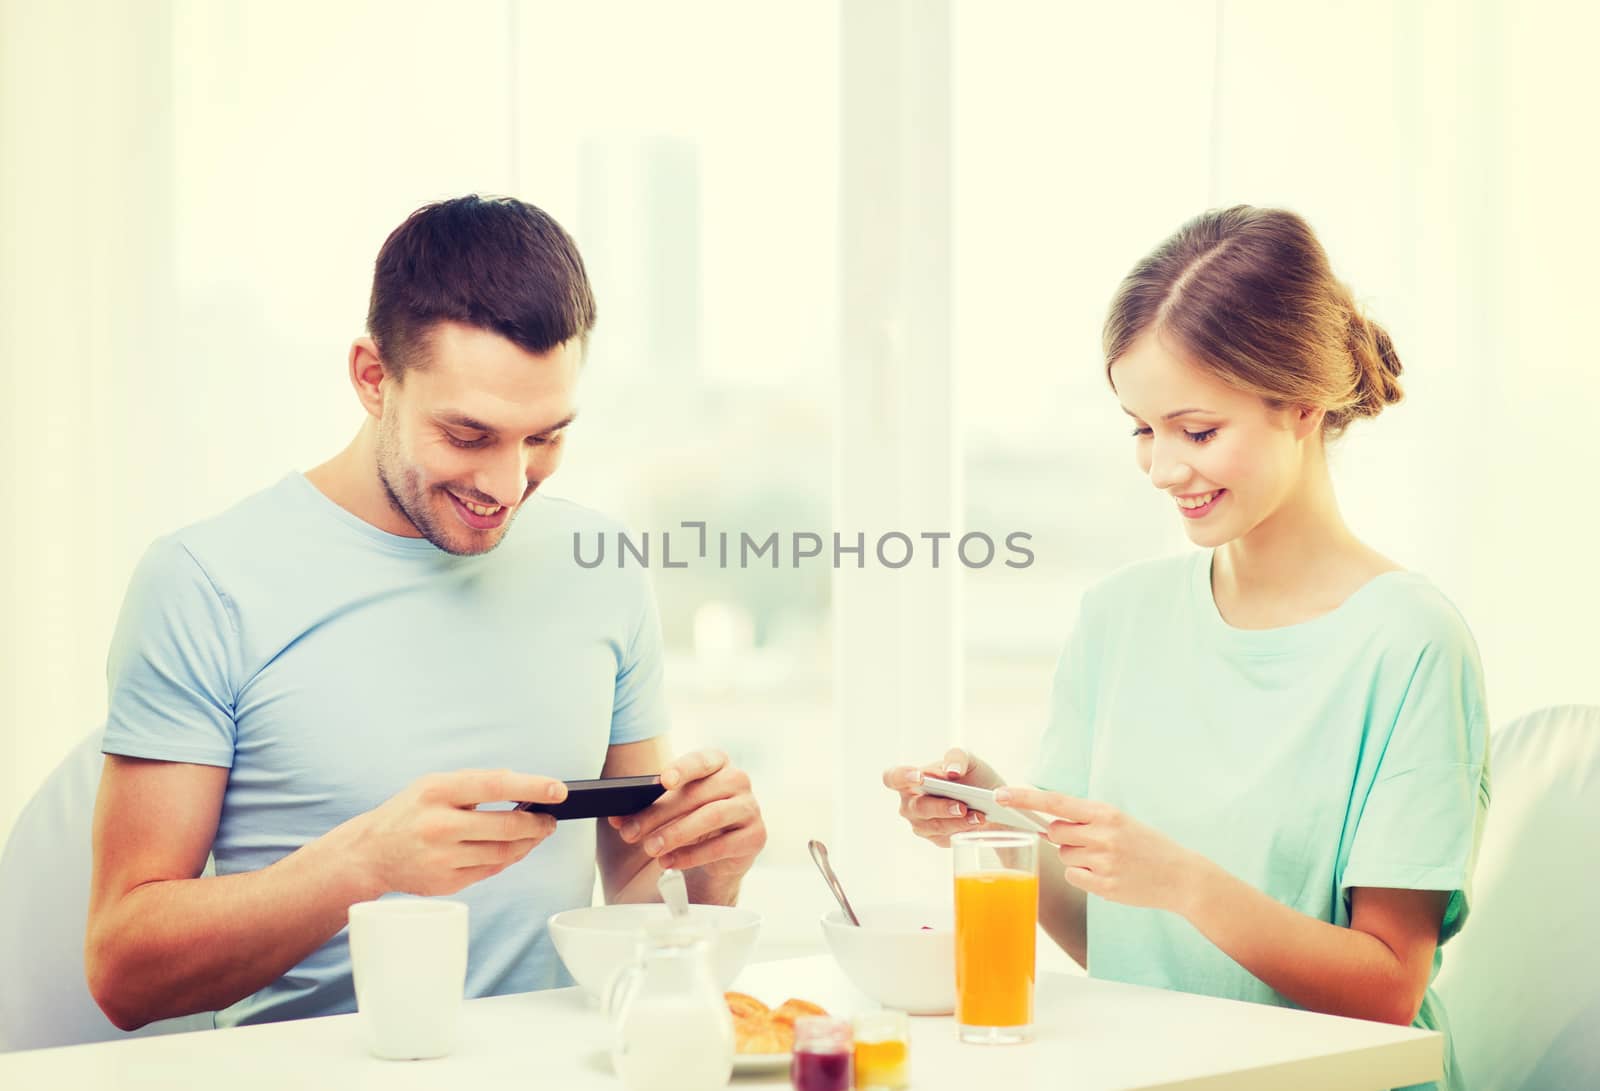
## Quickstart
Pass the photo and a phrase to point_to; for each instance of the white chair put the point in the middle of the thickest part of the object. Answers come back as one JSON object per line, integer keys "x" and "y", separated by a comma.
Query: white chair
{"x": 44, "y": 908}
{"x": 1521, "y": 983}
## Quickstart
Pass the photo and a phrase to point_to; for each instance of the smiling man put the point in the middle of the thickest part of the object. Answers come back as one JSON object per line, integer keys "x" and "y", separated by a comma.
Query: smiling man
{"x": 324, "y": 685}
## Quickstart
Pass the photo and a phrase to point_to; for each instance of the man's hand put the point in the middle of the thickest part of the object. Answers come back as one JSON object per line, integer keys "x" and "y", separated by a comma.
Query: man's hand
{"x": 707, "y": 819}
{"x": 933, "y": 817}
{"x": 429, "y": 839}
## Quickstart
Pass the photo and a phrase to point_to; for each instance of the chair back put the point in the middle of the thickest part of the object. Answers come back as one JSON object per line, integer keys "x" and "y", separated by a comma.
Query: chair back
{"x": 44, "y": 912}
{"x": 1520, "y": 985}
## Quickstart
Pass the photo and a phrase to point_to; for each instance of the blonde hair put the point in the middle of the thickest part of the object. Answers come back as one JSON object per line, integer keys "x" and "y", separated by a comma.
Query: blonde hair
{"x": 1249, "y": 295}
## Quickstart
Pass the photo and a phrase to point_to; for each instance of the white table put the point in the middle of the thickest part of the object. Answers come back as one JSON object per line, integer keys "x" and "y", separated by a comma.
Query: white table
{"x": 1093, "y": 1036}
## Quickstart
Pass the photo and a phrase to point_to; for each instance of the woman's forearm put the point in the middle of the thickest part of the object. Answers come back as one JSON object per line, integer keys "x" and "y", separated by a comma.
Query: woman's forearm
{"x": 1063, "y": 909}
{"x": 1320, "y": 966}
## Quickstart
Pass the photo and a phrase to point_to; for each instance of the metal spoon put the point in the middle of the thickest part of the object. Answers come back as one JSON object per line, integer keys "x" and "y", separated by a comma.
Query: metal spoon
{"x": 819, "y": 853}
{"x": 674, "y": 893}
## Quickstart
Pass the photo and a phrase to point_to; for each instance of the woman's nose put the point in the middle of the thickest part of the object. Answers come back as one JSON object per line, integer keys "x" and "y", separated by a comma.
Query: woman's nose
{"x": 1167, "y": 469}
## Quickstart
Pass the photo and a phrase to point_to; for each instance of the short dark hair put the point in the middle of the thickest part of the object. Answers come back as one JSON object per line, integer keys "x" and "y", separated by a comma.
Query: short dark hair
{"x": 493, "y": 262}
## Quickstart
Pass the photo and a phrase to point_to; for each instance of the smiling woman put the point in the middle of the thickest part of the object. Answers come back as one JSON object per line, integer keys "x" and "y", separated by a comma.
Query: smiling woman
{"x": 1251, "y": 739}
{"x": 1239, "y": 355}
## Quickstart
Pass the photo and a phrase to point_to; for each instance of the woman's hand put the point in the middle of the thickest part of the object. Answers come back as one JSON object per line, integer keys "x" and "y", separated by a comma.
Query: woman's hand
{"x": 1111, "y": 855}
{"x": 932, "y": 817}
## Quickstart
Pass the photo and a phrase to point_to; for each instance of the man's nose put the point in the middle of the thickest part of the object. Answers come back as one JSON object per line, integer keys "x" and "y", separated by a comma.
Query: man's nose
{"x": 506, "y": 479}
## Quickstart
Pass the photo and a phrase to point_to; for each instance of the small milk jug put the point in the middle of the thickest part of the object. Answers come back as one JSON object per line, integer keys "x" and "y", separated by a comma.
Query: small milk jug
{"x": 671, "y": 1030}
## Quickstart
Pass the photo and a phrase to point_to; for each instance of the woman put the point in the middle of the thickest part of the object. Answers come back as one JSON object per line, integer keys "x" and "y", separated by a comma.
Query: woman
{"x": 1266, "y": 758}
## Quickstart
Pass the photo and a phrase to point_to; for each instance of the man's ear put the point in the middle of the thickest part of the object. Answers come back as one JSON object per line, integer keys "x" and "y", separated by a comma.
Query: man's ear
{"x": 1307, "y": 421}
{"x": 367, "y": 374}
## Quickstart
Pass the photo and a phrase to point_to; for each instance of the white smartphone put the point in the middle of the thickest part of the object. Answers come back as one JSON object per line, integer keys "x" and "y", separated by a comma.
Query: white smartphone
{"x": 982, "y": 800}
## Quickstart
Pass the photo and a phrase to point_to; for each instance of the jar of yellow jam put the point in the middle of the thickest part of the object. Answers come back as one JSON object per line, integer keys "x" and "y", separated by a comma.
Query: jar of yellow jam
{"x": 883, "y": 1051}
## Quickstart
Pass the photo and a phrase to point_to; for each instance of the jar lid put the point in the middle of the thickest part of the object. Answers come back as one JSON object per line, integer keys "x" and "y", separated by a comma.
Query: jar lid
{"x": 888, "y": 1025}
{"x": 822, "y": 1034}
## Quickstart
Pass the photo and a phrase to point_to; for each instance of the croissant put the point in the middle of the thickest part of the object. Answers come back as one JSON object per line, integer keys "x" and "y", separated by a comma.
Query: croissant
{"x": 759, "y": 1029}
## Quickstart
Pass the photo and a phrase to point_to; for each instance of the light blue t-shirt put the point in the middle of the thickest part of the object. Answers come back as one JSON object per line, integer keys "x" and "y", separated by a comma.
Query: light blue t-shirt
{"x": 1346, "y": 751}
{"x": 328, "y": 664}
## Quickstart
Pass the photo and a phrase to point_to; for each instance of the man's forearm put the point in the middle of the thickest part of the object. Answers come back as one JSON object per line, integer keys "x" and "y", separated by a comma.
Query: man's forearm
{"x": 178, "y": 946}
{"x": 643, "y": 873}
{"x": 638, "y": 886}
{"x": 707, "y": 889}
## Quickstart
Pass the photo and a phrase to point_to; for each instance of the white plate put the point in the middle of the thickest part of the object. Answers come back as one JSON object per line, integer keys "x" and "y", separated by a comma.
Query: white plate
{"x": 760, "y": 1062}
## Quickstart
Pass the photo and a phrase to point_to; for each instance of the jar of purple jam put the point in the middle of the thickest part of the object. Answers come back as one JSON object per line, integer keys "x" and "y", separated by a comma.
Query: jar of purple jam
{"x": 823, "y": 1051}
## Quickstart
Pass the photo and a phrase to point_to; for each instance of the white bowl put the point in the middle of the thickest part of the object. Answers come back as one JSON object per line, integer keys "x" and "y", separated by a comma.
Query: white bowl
{"x": 903, "y": 955}
{"x": 598, "y": 940}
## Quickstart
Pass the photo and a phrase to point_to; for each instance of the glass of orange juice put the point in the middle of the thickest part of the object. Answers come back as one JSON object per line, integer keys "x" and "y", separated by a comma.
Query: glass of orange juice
{"x": 997, "y": 915}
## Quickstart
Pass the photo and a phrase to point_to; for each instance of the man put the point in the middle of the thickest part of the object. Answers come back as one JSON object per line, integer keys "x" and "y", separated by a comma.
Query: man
{"x": 292, "y": 682}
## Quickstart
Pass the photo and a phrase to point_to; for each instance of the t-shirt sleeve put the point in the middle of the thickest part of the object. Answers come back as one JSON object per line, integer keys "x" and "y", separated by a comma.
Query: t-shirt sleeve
{"x": 1423, "y": 818}
{"x": 639, "y": 707}
{"x": 1067, "y": 744}
{"x": 170, "y": 692}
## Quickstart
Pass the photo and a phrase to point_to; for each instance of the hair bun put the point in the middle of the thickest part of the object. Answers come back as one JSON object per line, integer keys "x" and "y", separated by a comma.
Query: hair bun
{"x": 1377, "y": 367}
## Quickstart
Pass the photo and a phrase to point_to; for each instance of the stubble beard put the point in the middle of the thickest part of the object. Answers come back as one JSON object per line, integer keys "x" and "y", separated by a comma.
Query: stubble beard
{"x": 401, "y": 484}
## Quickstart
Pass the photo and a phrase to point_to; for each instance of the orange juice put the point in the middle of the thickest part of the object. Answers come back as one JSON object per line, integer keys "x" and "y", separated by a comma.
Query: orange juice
{"x": 996, "y": 919}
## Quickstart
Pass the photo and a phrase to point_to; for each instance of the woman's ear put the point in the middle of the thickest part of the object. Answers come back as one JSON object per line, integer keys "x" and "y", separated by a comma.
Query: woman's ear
{"x": 1307, "y": 421}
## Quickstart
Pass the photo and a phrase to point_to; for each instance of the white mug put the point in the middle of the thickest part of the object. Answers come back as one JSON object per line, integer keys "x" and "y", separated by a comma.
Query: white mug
{"x": 409, "y": 960}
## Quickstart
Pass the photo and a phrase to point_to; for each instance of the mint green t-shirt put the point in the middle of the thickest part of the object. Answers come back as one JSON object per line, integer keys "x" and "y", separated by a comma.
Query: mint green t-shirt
{"x": 1345, "y": 751}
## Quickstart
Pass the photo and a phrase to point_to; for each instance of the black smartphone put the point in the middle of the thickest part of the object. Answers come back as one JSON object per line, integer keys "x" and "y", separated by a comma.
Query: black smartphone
{"x": 601, "y": 798}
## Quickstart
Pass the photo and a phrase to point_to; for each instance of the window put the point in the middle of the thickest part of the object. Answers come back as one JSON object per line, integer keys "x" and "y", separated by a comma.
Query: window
{"x": 701, "y": 184}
